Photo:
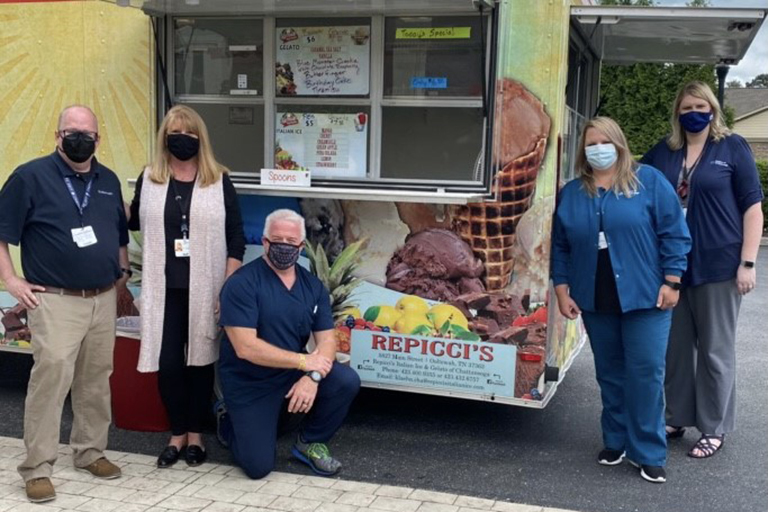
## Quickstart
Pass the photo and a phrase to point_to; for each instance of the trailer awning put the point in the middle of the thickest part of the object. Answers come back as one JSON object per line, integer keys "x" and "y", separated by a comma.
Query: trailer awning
{"x": 629, "y": 35}
{"x": 297, "y": 7}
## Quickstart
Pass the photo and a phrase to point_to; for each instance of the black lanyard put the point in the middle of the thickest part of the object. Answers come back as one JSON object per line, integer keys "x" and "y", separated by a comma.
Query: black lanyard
{"x": 687, "y": 171}
{"x": 86, "y": 198}
{"x": 184, "y": 205}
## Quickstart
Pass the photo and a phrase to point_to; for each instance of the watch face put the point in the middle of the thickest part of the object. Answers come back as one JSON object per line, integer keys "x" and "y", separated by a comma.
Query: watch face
{"x": 315, "y": 376}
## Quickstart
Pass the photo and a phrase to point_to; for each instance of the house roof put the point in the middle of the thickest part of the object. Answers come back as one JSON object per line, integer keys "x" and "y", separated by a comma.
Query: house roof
{"x": 746, "y": 100}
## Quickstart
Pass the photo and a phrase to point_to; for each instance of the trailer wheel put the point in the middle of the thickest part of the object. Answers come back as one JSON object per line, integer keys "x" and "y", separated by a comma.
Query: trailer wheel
{"x": 551, "y": 373}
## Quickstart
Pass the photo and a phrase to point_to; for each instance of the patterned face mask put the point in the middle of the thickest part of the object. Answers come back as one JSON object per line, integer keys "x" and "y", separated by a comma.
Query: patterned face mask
{"x": 283, "y": 256}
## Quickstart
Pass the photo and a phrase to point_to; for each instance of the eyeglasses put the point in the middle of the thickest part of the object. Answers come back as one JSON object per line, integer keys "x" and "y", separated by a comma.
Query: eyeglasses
{"x": 89, "y": 136}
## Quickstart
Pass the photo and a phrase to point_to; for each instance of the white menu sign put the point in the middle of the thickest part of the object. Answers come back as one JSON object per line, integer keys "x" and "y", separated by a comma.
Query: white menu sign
{"x": 320, "y": 61}
{"x": 329, "y": 145}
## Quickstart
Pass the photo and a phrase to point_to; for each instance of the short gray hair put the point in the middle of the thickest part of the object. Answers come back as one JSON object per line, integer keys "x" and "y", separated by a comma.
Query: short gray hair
{"x": 287, "y": 215}
{"x": 76, "y": 106}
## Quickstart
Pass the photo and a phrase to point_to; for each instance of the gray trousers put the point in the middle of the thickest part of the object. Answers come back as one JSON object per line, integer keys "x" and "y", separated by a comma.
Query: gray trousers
{"x": 700, "y": 380}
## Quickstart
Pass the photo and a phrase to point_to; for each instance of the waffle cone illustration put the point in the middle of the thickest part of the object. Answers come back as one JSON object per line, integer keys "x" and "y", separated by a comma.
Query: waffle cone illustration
{"x": 521, "y": 127}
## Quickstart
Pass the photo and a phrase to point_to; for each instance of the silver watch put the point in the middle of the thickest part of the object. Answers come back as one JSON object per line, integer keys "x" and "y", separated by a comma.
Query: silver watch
{"x": 315, "y": 376}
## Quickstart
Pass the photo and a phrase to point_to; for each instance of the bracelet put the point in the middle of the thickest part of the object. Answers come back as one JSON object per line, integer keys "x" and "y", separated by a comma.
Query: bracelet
{"x": 672, "y": 284}
{"x": 302, "y": 362}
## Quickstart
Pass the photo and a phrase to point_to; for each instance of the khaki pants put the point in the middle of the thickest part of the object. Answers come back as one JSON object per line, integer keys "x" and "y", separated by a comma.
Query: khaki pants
{"x": 72, "y": 344}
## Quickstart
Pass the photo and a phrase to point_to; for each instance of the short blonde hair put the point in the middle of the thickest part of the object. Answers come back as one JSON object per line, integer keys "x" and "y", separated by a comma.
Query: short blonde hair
{"x": 209, "y": 171}
{"x": 626, "y": 177}
{"x": 287, "y": 215}
{"x": 717, "y": 128}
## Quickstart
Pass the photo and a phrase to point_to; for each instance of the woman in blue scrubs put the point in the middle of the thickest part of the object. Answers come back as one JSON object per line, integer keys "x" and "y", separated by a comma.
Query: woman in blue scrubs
{"x": 716, "y": 179}
{"x": 618, "y": 251}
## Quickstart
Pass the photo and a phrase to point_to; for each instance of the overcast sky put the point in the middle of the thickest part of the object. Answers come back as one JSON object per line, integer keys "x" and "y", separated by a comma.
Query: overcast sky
{"x": 756, "y": 60}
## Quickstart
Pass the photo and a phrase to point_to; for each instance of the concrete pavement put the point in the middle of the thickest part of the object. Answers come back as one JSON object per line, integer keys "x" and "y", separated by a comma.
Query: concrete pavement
{"x": 220, "y": 488}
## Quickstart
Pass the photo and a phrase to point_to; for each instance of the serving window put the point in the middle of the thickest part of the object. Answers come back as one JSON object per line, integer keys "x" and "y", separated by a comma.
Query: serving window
{"x": 391, "y": 100}
{"x": 218, "y": 56}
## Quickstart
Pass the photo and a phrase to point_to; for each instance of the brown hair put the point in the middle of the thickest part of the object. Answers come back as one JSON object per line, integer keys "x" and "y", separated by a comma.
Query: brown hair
{"x": 208, "y": 169}
{"x": 717, "y": 128}
{"x": 626, "y": 178}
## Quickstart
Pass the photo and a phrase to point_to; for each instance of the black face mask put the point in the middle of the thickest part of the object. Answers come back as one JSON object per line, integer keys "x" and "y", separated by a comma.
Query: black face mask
{"x": 183, "y": 146}
{"x": 283, "y": 256}
{"x": 78, "y": 147}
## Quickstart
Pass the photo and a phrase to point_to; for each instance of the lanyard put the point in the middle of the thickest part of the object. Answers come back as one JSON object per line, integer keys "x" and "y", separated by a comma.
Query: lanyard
{"x": 687, "y": 171}
{"x": 183, "y": 208}
{"x": 86, "y": 198}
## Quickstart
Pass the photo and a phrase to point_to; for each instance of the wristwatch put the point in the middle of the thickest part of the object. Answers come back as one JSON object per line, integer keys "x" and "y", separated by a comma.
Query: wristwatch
{"x": 315, "y": 376}
{"x": 672, "y": 284}
{"x": 128, "y": 272}
{"x": 748, "y": 264}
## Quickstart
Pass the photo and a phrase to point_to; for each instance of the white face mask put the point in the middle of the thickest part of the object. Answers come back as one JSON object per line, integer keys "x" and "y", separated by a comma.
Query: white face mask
{"x": 601, "y": 156}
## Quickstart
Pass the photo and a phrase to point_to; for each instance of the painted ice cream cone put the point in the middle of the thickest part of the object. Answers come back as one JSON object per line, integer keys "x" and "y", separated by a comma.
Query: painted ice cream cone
{"x": 521, "y": 128}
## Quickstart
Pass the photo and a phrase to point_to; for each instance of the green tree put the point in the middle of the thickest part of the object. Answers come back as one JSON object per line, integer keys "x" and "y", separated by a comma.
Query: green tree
{"x": 734, "y": 84}
{"x": 760, "y": 81}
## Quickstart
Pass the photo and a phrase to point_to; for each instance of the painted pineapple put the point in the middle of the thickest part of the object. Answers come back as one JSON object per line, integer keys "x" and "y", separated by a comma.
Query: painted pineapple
{"x": 337, "y": 278}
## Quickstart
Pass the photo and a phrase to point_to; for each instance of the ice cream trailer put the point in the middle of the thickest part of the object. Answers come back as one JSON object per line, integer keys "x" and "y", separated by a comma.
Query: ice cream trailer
{"x": 424, "y": 142}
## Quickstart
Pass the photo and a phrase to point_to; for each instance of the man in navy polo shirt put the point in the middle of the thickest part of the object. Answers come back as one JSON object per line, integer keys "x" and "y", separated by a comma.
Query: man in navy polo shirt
{"x": 66, "y": 212}
{"x": 268, "y": 309}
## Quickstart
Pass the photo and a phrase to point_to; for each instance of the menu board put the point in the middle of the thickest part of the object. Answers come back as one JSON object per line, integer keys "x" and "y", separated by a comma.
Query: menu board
{"x": 329, "y": 145}
{"x": 323, "y": 61}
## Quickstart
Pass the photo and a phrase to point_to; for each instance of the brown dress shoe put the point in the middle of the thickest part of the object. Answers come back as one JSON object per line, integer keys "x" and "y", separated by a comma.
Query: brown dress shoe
{"x": 40, "y": 490}
{"x": 102, "y": 468}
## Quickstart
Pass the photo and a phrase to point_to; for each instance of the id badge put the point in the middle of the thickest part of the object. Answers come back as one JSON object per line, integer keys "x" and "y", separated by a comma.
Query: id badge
{"x": 84, "y": 236}
{"x": 181, "y": 247}
{"x": 602, "y": 243}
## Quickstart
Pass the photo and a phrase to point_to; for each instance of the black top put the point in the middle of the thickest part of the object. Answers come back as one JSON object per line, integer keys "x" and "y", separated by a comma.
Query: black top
{"x": 38, "y": 212}
{"x": 177, "y": 269}
{"x": 606, "y": 293}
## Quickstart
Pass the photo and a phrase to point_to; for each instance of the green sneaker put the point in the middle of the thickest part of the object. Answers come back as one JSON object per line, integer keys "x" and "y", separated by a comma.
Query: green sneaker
{"x": 317, "y": 457}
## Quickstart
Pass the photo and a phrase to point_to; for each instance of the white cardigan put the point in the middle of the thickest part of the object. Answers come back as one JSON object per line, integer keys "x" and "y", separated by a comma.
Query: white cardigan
{"x": 208, "y": 263}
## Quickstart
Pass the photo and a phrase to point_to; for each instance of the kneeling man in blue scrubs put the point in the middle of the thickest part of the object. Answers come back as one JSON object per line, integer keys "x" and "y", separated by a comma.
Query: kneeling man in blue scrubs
{"x": 268, "y": 309}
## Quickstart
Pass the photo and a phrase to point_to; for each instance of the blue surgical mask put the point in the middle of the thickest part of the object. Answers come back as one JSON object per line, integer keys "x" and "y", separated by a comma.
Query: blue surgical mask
{"x": 601, "y": 156}
{"x": 694, "y": 122}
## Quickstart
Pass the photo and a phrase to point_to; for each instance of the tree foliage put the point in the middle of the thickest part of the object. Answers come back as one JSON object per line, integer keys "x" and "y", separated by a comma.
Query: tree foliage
{"x": 760, "y": 80}
{"x": 734, "y": 84}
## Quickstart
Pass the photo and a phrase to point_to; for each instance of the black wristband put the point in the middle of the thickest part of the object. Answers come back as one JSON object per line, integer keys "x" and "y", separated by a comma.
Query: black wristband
{"x": 673, "y": 284}
{"x": 127, "y": 272}
{"x": 748, "y": 264}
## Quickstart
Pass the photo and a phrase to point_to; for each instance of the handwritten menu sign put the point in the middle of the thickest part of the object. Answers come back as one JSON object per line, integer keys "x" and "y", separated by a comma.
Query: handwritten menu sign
{"x": 434, "y": 33}
{"x": 329, "y": 145}
{"x": 323, "y": 61}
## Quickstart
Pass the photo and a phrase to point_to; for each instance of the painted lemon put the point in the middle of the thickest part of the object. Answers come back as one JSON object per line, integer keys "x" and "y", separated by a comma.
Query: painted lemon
{"x": 383, "y": 316}
{"x": 412, "y": 303}
{"x": 445, "y": 312}
{"x": 354, "y": 312}
{"x": 411, "y": 321}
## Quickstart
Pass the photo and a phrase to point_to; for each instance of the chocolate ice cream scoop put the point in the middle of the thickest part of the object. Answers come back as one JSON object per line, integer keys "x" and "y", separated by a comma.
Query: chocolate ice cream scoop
{"x": 520, "y": 121}
{"x": 434, "y": 264}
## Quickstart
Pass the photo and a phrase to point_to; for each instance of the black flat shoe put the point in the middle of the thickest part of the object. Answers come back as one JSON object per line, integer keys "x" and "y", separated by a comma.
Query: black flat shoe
{"x": 674, "y": 432}
{"x": 169, "y": 457}
{"x": 195, "y": 455}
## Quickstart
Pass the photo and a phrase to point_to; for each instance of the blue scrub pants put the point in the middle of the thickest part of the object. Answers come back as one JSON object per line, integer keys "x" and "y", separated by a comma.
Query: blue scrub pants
{"x": 252, "y": 428}
{"x": 630, "y": 351}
